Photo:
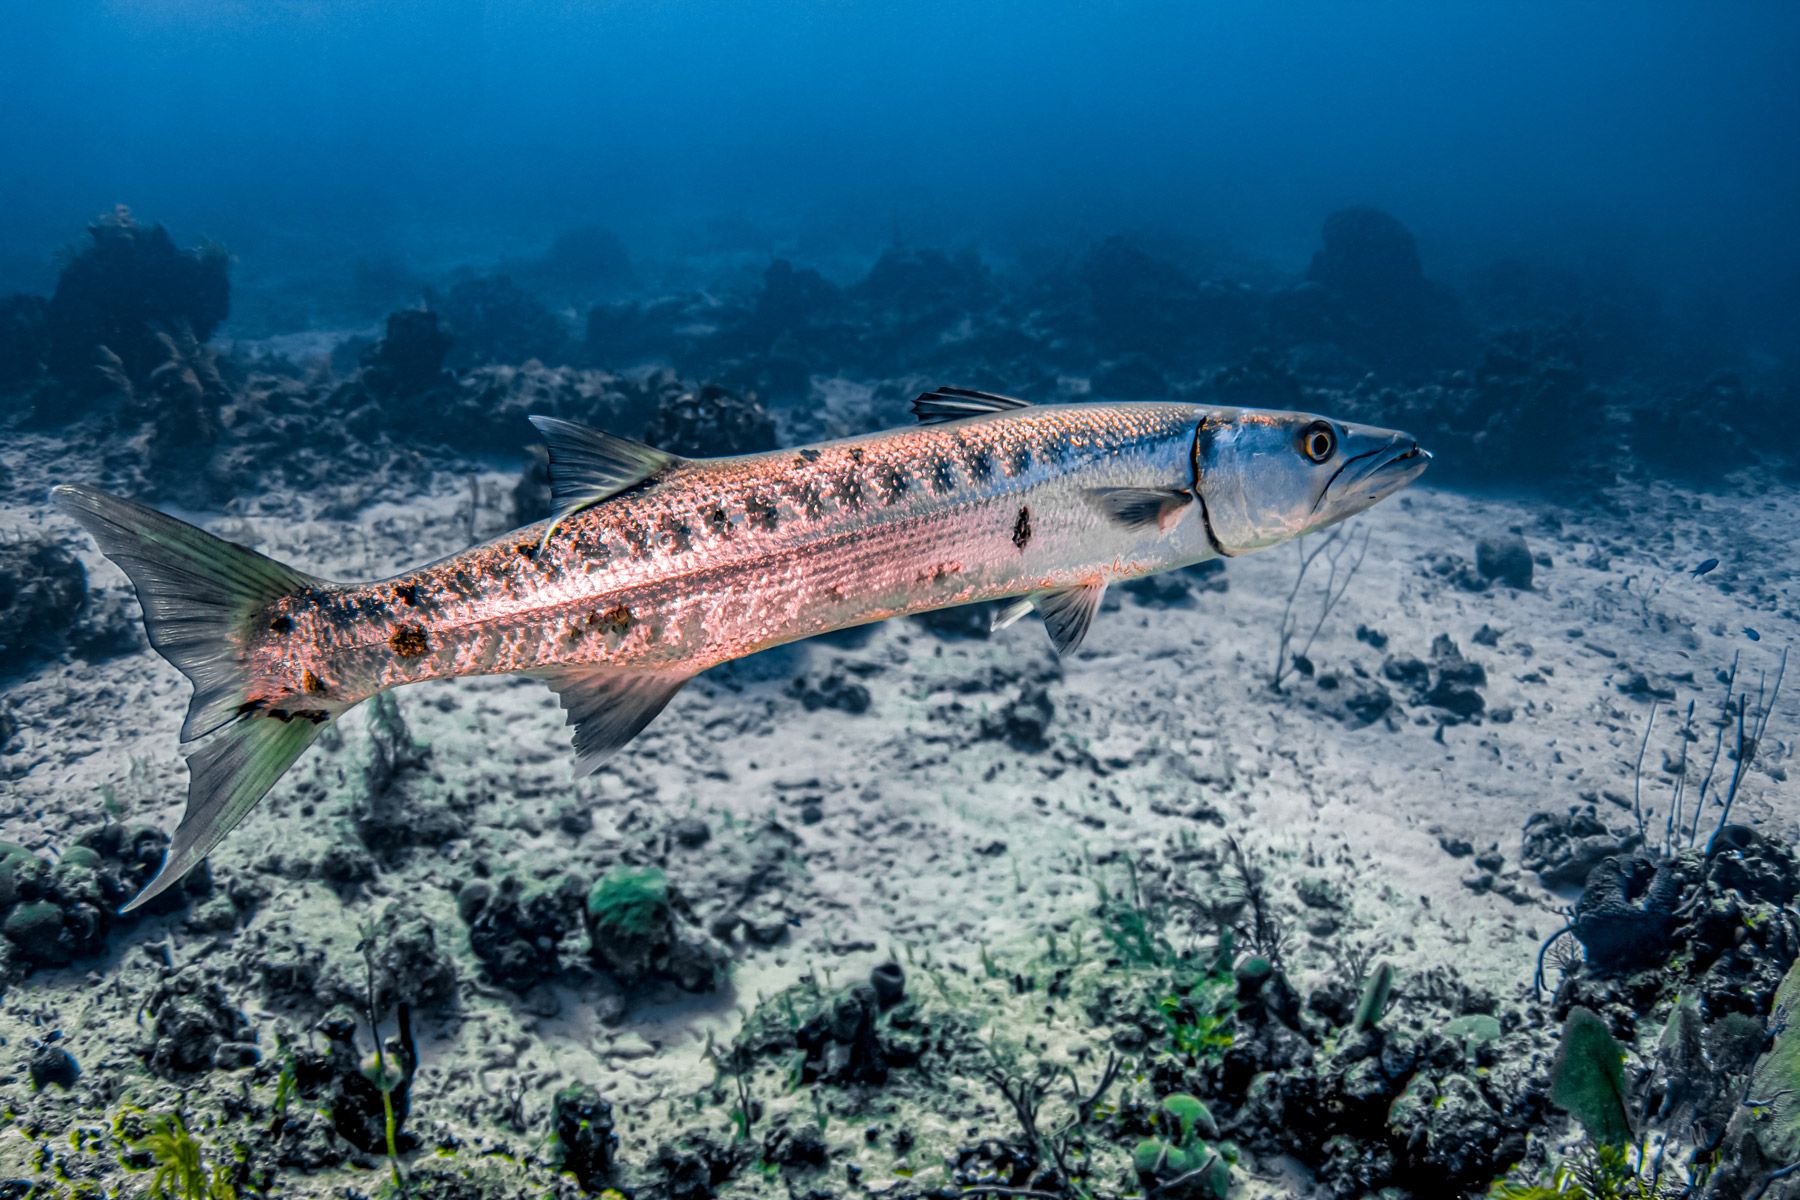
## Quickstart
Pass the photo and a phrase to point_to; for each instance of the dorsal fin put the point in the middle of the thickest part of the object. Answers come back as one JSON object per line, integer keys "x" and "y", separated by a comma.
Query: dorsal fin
{"x": 949, "y": 403}
{"x": 588, "y": 466}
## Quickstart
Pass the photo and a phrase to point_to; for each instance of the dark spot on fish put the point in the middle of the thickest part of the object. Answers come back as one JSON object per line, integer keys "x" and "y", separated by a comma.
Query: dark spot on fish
{"x": 1019, "y": 461}
{"x": 616, "y": 619}
{"x": 980, "y": 462}
{"x": 280, "y": 714}
{"x": 407, "y": 594}
{"x": 850, "y": 490}
{"x": 717, "y": 519}
{"x": 680, "y": 536}
{"x": 282, "y": 624}
{"x": 761, "y": 513}
{"x": 1021, "y": 534}
{"x": 943, "y": 476}
{"x": 809, "y": 456}
{"x": 311, "y": 684}
{"x": 808, "y": 499}
{"x": 856, "y": 454}
{"x": 526, "y": 550}
{"x": 408, "y": 641}
{"x": 896, "y": 483}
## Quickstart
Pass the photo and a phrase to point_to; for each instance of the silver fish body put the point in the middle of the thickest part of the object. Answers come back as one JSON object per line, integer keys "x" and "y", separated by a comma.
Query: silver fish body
{"x": 658, "y": 568}
{"x": 725, "y": 557}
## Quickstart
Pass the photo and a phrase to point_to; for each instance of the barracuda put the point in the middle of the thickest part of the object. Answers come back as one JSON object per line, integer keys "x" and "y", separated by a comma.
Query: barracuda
{"x": 657, "y": 567}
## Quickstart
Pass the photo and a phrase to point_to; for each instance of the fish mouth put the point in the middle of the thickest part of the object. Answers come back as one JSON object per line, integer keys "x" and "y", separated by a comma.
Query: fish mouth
{"x": 1381, "y": 473}
{"x": 1414, "y": 459}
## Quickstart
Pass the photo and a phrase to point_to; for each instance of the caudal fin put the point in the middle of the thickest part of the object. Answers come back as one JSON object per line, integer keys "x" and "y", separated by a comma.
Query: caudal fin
{"x": 199, "y": 593}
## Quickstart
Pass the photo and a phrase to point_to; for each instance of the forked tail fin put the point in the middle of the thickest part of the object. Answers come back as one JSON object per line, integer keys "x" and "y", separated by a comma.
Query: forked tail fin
{"x": 198, "y": 594}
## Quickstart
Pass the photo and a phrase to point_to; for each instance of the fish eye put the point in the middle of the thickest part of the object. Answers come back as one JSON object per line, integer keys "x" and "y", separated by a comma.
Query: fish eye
{"x": 1318, "y": 441}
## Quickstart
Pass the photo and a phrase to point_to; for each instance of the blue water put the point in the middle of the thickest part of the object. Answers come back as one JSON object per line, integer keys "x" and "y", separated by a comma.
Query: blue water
{"x": 1652, "y": 137}
{"x": 1449, "y": 851}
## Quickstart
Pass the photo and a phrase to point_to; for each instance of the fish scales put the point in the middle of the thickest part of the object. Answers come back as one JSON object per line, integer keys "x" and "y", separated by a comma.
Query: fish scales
{"x": 725, "y": 557}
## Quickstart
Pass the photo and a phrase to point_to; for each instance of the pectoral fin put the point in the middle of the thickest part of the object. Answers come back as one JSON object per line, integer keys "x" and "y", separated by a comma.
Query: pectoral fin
{"x": 588, "y": 466}
{"x": 608, "y": 706}
{"x": 1141, "y": 508}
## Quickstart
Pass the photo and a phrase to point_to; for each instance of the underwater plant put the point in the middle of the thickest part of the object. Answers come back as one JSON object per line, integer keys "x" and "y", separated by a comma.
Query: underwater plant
{"x": 1377, "y": 994}
{"x": 364, "y": 1098}
{"x": 1588, "y": 1080}
{"x": 1188, "y": 1159}
{"x": 1588, "y": 1083}
{"x": 1692, "y": 1123}
{"x": 1747, "y": 723}
{"x": 1025, "y": 1095}
{"x": 1343, "y": 556}
{"x": 180, "y": 1171}
{"x": 1594, "y": 1173}
{"x": 628, "y": 904}
{"x": 1200, "y": 1011}
{"x": 1130, "y": 926}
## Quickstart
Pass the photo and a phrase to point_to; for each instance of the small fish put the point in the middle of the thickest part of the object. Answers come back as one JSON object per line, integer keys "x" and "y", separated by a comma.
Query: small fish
{"x": 656, "y": 567}
{"x": 1752, "y": 634}
{"x": 1704, "y": 567}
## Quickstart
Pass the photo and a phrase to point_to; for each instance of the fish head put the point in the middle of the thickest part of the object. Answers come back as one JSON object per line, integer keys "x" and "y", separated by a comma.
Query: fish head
{"x": 1268, "y": 477}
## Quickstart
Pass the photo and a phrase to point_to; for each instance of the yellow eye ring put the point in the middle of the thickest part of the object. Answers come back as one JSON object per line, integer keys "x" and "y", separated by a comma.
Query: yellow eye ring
{"x": 1318, "y": 441}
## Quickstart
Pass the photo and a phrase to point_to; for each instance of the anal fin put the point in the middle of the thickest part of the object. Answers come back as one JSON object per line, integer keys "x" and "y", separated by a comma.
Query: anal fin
{"x": 608, "y": 706}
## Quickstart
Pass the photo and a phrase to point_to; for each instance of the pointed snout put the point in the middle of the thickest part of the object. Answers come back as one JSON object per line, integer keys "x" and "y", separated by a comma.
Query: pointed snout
{"x": 1383, "y": 462}
{"x": 1405, "y": 461}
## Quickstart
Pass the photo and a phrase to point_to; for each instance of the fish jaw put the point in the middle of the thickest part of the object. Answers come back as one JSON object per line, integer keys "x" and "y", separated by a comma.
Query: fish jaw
{"x": 1404, "y": 461}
